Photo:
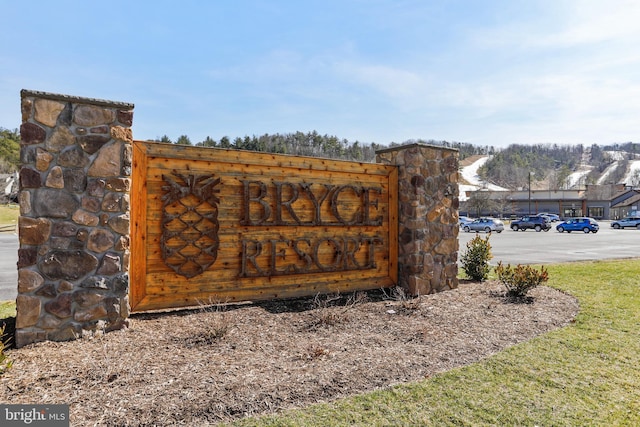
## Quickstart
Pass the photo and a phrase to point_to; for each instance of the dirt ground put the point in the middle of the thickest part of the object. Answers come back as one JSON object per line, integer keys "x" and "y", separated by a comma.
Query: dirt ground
{"x": 213, "y": 364}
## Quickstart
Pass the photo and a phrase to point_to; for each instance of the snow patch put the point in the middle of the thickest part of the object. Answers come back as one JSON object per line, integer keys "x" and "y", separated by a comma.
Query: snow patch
{"x": 631, "y": 178}
{"x": 463, "y": 189}
{"x": 573, "y": 180}
{"x": 607, "y": 172}
{"x": 616, "y": 155}
{"x": 470, "y": 175}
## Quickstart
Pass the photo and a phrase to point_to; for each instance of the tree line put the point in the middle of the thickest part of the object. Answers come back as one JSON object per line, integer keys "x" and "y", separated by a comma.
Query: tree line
{"x": 317, "y": 145}
{"x": 508, "y": 167}
{"x": 298, "y": 143}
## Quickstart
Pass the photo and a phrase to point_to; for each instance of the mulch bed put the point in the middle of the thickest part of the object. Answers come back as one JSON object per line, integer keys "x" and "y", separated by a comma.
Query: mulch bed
{"x": 214, "y": 364}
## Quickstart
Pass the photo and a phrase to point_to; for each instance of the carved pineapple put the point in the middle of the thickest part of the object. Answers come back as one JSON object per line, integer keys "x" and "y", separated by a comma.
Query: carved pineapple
{"x": 190, "y": 223}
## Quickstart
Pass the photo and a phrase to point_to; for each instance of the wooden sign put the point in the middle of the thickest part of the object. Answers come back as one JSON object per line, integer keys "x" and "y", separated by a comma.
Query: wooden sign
{"x": 214, "y": 226}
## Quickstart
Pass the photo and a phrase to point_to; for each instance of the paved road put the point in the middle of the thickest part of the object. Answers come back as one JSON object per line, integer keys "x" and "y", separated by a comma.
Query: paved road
{"x": 529, "y": 247}
{"x": 8, "y": 266}
{"x": 513, "y": 247}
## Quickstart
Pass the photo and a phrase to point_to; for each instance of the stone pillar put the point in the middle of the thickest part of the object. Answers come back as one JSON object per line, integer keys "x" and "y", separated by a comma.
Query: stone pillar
{"x": 427, "y": 217}
{"x": 75, "y": 181}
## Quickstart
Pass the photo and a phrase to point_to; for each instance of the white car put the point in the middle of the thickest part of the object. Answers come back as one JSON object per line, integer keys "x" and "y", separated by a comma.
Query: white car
{"x": 484, "y": 224}
{"x": 629, "y": 221}
{"x": 463, "y": 220}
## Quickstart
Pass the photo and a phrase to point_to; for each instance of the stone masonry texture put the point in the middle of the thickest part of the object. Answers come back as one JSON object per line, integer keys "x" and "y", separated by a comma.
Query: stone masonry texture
{"x": 427, "y": 216}
{"x": 74, "y": 192}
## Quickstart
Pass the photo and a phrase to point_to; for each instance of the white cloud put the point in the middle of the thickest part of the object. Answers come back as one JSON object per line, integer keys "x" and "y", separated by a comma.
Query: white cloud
{"x": 559, "y": 24}
{"x": 589, "y": 22}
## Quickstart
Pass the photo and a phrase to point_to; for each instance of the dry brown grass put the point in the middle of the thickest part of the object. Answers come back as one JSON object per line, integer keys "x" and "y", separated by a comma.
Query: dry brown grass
{"x": 209, "y": 365}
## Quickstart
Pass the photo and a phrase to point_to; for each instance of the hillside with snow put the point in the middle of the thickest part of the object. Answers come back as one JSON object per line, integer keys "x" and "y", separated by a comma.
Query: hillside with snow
{"x": 471, "y": 181}
{"x": 471, "y": 178}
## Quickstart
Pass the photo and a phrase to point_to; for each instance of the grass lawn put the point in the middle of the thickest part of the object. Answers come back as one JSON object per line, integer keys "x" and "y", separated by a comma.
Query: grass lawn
{"x": 8, "y": 216}
{"x": 585, "y": 374}
{"x": 7, "y": 309}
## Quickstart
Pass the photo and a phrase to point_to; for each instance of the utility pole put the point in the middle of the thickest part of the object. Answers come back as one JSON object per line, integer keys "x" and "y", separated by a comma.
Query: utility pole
{"x": 529, "y": 192}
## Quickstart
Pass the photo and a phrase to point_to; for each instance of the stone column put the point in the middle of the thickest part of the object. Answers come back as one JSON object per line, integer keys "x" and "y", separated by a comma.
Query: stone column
{"x": 75, "y": 181}
{"x": 427, "y": 217}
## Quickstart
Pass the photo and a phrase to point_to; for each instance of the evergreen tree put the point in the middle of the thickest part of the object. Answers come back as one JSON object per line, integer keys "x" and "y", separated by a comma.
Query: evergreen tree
{"x": 183, "y": 140}
{"x": 208, "y": 142}
{"x": 165, "y": 139}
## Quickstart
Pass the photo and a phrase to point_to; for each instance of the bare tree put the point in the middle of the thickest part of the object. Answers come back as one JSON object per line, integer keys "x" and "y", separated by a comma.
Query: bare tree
{"x": 503, "y": 204}
{"x": 479, "y": 202}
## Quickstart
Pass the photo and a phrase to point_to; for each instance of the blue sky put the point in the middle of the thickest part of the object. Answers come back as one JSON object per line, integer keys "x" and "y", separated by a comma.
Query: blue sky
{"x": 484, "y": 72}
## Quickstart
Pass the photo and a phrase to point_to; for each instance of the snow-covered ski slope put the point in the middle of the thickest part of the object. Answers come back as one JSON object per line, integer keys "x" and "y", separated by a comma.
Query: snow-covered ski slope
{"x": 473, "y": 182}
{"x": 470, "y": 175}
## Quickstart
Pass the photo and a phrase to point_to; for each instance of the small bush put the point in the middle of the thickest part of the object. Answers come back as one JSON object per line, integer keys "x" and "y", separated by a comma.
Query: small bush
{"x": 216, "y": 324}
{"x": 5, "y": 362}
{"x": 475, "y": 261}
{"x": 330, "y": 310}
{"x": 521, "y": 279}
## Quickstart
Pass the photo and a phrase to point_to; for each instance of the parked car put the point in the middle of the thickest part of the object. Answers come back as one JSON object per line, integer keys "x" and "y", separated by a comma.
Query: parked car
{"x": 462, "y": 220}
{"x": 537, "y": 223}
{"x": 578, "y": 224}
{"x": 629, "y": 221}
{"x": 551, "y": 217}
{"x": 484, "y": 224}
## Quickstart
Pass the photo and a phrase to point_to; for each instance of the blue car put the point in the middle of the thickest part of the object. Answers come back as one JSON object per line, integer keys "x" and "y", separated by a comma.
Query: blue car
{"x": 578, "y": 224}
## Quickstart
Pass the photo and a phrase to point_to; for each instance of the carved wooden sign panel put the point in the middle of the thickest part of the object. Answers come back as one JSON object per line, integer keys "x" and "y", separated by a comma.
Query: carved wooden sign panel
{"x": 189, "y": 238}
{"x": 213, "y": 225}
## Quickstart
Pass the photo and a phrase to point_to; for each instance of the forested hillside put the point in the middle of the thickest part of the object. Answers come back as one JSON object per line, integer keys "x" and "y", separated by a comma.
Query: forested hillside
{"x": 555, "y": 165}
{"x": 513, "y": 167}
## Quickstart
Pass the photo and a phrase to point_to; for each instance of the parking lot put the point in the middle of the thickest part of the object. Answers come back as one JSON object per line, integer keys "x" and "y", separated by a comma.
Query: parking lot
{"x": 531, "y": 247}
{"x": 510, "y": 247}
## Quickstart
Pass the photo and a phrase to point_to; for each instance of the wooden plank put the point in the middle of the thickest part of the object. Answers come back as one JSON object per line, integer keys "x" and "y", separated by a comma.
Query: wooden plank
{"x": 171, "y": 152}
{"x": 153, "y": 302}
{"x": 163, "y": 286}
{"x": 392, "y": 221}
{"x": 138, "y": 259}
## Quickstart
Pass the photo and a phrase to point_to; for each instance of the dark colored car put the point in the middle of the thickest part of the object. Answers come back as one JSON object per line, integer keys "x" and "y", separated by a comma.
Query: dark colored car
{"x": 578, "y": 224}
{"x": 629, "y": 221}
{"x": 532, "y": 222}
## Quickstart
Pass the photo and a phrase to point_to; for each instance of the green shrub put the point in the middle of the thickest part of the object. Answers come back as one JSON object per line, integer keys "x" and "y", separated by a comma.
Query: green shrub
{"x": 521, "y": 279}
{"x": 475, "y": 261}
